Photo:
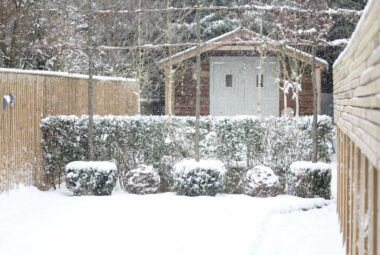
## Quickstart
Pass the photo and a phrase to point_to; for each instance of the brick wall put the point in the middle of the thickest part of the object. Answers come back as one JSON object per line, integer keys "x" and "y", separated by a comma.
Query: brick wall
{"x": 357, "y": 115}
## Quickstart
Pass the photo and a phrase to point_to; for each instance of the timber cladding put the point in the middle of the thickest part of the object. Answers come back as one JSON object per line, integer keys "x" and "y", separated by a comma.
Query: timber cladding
{"x": 41, "y": 94}
{"x": 357, "y": 115}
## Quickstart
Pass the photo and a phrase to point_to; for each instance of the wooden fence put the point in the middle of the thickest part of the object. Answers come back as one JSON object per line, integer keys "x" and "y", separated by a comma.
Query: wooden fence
{"x": 40, "y": 94}
{"x": 357, "y": 115}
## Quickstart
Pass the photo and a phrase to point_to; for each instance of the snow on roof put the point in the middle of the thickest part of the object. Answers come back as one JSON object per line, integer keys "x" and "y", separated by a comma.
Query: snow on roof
{"x": 367, "y": 9}
{"x": 216, "y": 39}
{"x": 305, "y": 54}
{"x": 65, "y": 74}
{"x": 236, "y": 31}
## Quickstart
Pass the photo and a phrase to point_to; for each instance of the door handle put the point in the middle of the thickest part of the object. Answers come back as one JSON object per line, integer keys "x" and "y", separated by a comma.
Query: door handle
{"x": 261, "y": 82}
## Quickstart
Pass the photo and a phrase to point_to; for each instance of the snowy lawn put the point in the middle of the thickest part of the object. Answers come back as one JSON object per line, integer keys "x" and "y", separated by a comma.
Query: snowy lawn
{"x": 44, "y": 223}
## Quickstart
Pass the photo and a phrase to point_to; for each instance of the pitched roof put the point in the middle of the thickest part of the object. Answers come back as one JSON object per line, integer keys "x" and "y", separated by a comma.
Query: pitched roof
{"x": 242, "y": 37}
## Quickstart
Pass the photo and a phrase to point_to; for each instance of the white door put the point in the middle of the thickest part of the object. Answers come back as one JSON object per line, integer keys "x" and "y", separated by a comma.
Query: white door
{"x": 234, "y": 86}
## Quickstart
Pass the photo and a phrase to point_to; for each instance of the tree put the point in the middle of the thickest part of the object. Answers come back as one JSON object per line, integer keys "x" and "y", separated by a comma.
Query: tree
{"x": 198, "y": 86}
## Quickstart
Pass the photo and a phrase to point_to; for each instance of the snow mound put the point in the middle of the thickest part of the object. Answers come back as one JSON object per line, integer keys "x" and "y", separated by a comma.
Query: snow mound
{"x": 261, "y": 181}
{"x": 203, "y": 178}
{"x": 142, "y": 180}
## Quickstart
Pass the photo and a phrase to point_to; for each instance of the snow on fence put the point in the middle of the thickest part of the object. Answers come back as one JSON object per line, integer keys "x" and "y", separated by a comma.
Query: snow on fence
{"x": 39, "y": 94}
{"x": 357, "y": 115}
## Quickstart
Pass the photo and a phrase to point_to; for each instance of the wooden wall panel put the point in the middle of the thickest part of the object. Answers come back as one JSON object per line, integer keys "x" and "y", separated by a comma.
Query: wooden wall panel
{"x": 42, "y": 94}
{"x": 357, "y": 115}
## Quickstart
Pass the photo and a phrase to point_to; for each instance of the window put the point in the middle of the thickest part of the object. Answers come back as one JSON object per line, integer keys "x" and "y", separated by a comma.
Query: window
{"x": 229, "y": 80}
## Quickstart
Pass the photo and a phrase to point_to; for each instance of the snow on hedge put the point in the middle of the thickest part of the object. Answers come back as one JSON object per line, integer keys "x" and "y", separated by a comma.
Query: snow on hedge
{"x": 307, "y": 179}
{"x": 239, "y": 142}
{"x": 300, "y": 167}
{"x": 99, "y": 166}
{"x": 203, "y": 178}
{"x": 91, "y": 177}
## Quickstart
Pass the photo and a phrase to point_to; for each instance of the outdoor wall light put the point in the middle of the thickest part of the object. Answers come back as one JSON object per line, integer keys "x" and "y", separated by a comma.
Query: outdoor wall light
{"x": 8, "y": 100}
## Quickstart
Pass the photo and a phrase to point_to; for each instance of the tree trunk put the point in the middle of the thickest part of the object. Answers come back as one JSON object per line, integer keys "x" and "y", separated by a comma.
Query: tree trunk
{"x": 297, "y": 104}
{"x": 315, "y": 110}
{"x": 90, "y": 49}
{"x": 139, "y": 89}
{"x": 198, "y": 88}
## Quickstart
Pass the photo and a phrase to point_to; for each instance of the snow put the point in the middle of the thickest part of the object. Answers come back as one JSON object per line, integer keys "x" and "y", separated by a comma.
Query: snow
{"x": 187, "y": 166}
{"x": 339, "y": 42}
{"x": 54, "y": 222}
{"x": 65, "y": 74}
{"x": 300, "y": 166}
{"x": 99, "y": 166}
{"x": 262, "y": 175}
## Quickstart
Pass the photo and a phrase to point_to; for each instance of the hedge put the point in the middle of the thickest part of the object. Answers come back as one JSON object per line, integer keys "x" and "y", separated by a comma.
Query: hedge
{"x": 239, "y": 142}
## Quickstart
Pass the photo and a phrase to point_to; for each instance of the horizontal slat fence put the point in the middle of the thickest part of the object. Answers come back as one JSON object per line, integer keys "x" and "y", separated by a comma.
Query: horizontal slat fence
{"x": 38, "y": 95}
{"x": 357, "y": 115}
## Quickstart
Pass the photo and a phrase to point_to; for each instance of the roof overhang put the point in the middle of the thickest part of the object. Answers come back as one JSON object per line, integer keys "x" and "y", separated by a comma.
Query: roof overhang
{"x": 244, "y": 40}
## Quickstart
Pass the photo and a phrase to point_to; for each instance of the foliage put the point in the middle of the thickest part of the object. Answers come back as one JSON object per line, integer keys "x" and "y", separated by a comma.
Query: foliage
{"x": 306, "y": 179}
{"x": 239, "y": 142}
{"x": 204, "y": 178}
{"x": 88, "y": 179}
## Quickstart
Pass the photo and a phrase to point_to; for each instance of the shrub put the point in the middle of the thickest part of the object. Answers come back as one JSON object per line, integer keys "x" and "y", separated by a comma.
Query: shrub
{"x": 204, "y": 178}
{"x": 261, "y": 181}
{"x": 142, "y": 180}
{"x": 306, "y": 179}
{"x": 91, "y": 177}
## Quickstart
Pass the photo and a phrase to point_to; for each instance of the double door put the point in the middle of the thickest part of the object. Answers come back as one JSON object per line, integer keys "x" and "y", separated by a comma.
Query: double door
{"x": 237, "y": 89}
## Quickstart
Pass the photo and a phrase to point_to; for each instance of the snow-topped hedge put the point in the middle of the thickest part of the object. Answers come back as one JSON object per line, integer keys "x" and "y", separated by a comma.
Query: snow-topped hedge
{"x": 203, "y": 178}
{"x": 239, "y": 142}
{"x": 307, "y": 179}
{"x": 91, "y": 177}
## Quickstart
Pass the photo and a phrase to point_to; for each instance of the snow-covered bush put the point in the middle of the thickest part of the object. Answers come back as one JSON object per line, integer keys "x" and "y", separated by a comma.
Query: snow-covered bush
{"x": 142, "y": 180}
{"x": 261, "y": 181}
{"x": 239, "y": 142}
{"x": 307, "y": 179}
{"x": 203, "y": 178}
{"x": 91, "y": 177}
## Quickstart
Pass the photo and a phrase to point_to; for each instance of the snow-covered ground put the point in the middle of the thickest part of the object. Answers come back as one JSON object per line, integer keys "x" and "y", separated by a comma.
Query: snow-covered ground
{"x": 54, "y": 222}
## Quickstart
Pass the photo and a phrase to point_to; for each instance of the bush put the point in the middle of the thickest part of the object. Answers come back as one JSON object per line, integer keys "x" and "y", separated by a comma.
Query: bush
{"x": 204, "y": 178}
{"x": 91, "y": 177}
{"x": 261, "y": 181}
{"x": 142, "y": 180}
{"x": 239, "y": 142}
{"x": 306, "y": 179}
